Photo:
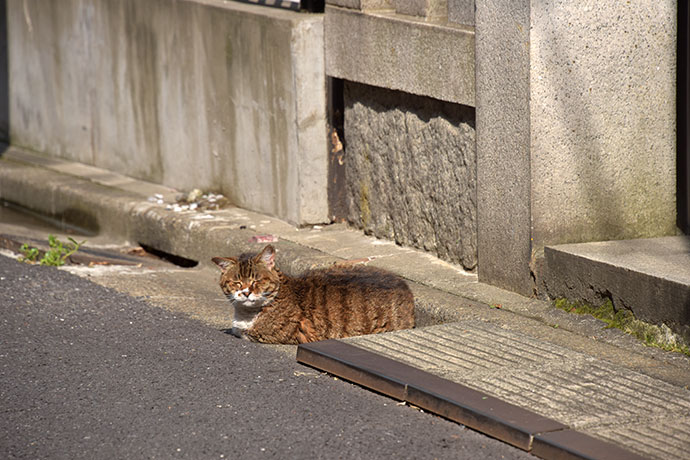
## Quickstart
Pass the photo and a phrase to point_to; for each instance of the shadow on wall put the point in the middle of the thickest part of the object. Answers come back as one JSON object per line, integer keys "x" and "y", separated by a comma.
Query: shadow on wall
{"x": 4, "y": 81}
{"x": 607, "y": 209}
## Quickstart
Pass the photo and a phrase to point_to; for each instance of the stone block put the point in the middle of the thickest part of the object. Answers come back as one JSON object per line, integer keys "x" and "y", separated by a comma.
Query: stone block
{"x": 191, "y": 94}
{"x": 503, "y": 155}
{"x": 430, "y": 9}
{"x": 410, "y": 171}
{"x": 461, "y": 12}
{"x": 602, "y": 117}
{"x": 649, "y": 276}
{"x": 398, "y": 53}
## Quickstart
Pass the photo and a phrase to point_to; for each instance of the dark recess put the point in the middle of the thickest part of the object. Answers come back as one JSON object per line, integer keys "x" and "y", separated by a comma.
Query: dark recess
{"x": 313, "y": 6}
{"x": 172, "y": 258}
{"x": 337, "y": 207}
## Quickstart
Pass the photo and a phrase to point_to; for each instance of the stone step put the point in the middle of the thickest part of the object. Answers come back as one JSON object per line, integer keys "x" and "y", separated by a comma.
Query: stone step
{"x": 650, "y": 277}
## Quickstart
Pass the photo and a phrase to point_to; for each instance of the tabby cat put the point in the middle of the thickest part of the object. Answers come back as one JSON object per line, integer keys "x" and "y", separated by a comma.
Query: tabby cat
{"x": 272, "y": 307}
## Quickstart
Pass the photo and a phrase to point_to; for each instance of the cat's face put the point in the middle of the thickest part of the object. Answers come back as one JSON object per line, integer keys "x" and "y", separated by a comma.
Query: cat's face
{"x": 249, "y": 282}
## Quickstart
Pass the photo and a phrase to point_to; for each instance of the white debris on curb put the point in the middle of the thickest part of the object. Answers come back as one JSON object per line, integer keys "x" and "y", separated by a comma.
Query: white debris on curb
{"x": 195, "y": 200}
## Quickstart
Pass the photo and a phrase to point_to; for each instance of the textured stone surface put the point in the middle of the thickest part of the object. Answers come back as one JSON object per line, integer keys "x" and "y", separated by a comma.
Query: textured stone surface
{"x": 461, "y": 12}
{"x": 602, "y": 118}
{"x": 503, "y": 155}
{"x": 214, "y": 95}
{"x": 650, "y": 277}
{"x": 402, "y": 53}
{"x": 362, "y": 4}
{"x": 410, "y": 171}
{"x": 575, "y": 128}
{"x": 430, "y": 9}
{"x": 603, "y": 399}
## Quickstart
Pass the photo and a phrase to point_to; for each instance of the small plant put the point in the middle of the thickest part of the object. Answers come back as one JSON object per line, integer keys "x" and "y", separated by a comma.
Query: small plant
{"x": 58, "y": 253}
{"x": 29, "y": 254}
{"x": 56, "y": 256}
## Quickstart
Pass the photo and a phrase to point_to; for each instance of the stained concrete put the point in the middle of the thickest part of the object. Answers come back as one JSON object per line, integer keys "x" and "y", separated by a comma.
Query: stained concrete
{"x": 461, "y": 12}
{"x": 410, "y": 171}
{"x": 401, "y": 52}
{"x": 363, "y": 4}
{"x": 192, "y": 94}
{"x": 503, "y": 154}
{"x": 430, "y": 9}
{"x": 602, "y": 120}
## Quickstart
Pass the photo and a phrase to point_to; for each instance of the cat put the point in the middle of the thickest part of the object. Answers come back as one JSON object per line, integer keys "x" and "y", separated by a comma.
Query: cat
{"x": 335, "y": 302}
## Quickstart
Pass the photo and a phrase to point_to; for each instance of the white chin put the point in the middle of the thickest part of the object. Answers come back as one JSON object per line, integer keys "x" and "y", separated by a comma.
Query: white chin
{"x": 249, "y": 303}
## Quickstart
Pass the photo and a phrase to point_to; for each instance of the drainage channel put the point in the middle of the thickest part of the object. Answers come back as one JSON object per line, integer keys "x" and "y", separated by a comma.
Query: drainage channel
{"x": 17, "y": 215}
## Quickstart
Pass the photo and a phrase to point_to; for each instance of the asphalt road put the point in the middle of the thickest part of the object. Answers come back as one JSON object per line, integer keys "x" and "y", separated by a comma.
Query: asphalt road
{"x": 86, "y": 372}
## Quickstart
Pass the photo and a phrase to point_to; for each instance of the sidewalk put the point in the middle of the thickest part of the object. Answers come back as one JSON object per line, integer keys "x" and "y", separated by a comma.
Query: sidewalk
{"x": 515, "y": 368}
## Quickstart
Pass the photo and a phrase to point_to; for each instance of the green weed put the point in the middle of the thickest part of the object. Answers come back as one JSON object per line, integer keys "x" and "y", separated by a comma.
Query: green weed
{"x": 29, "y": 254}
{"x": 56, "y": 256}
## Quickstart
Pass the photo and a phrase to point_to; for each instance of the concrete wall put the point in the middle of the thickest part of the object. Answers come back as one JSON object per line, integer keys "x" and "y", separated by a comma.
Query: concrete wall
{"x": 602, "y": 115}
{"x": 188, "y": 93}
{"x": 575, "y": 128}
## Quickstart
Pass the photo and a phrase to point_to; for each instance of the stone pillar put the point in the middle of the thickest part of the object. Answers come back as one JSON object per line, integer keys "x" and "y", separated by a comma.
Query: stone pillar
{"x": 575, "y": 128}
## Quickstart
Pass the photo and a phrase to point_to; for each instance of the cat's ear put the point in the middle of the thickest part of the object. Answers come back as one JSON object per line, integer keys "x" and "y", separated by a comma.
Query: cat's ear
{"x": 225, "y": 262}
{"x": 268, "y": 257}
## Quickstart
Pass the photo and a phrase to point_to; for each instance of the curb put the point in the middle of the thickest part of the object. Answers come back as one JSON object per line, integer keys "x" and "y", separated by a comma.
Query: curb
{"x": 524, "y": 429}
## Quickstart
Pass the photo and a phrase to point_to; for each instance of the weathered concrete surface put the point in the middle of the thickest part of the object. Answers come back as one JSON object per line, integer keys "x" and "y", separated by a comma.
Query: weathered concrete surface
{"x": 600, "y": 397}
{"x": 602, "y": 119}
{"x": 429, "y": 9}
{"x": 410, "y": 171}
{"x": 209, "y": 94}
{"x": 650, "y": 277}
{"x": 362, "y": 4}
{"x": 461, "y": 12}
{"x": 576, "y": 128}
{"x": 401, "y": 53}
{"x": 503, "y": 155}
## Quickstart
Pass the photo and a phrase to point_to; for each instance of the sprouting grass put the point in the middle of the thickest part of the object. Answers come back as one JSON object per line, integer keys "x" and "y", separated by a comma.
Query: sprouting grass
{"x": 56, "y": 256}
{"x": 650, "y": 334}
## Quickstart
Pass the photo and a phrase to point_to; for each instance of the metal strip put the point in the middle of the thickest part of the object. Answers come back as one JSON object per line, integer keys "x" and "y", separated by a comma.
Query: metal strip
{"x": 490, "y": 415}
{"x": 570, "y": 444}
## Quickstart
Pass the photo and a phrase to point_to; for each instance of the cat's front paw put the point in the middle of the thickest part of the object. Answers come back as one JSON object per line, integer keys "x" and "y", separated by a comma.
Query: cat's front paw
{"x": 240, "y": 333}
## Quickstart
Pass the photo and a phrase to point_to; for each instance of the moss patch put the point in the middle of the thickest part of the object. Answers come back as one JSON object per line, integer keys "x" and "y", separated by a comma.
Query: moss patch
{"x": 650, "y": 334}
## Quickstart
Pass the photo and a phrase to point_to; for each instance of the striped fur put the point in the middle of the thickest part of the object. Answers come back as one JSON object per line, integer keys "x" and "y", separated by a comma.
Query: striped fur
{"x": 336, "y": 302}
